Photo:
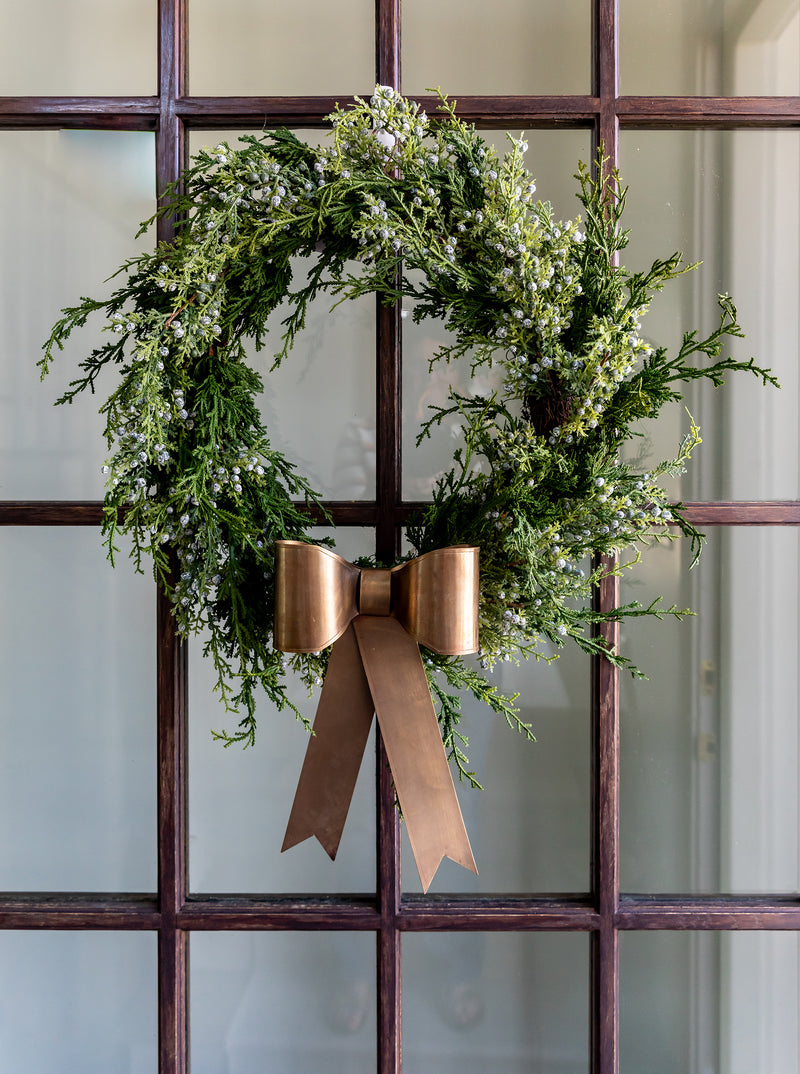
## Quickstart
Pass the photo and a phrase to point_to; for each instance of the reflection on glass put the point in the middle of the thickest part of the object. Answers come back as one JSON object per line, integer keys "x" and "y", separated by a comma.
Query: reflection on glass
{"x": 78, "y": 1001}
{"x": 72, "y": 202}
{"x": 257, "y": 49}
{"x": 283, "y": 1002}
{"x": 77, "y": 786}
{"x": 78, "y": 48}
{"x": 552, "y": 159}
{"x": 509, "y": 46}
{"x": 710, "y": 752}
{"x": 709, "y": 1003}
{"x": 730, "y": 199}
{"x": 240, "y": 800}
{"x": 319, "y": 406}
{"x": 508, "y": 1004}
{"x": 529, "y": 827}
{"x": 719, "y": 47}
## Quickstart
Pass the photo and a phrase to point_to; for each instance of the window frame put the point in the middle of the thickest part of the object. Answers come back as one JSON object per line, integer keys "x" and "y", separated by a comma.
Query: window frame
{"x": 174, "y": 913}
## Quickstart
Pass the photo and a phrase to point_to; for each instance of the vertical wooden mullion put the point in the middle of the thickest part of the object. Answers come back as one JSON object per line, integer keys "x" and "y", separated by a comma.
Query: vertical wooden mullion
{"x": 606, "y": 64}
{"x": 173, "y": 970}
{"x": 172, "y": 941}
{"x": 605, "y": 842}
{"x": 604, "y": 1037}
{"x": 388, "y": 494}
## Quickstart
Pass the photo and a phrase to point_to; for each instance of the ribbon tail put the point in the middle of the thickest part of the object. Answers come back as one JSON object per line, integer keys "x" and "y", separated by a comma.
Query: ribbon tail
{"x": 333, "y": 756}
{"x": 407, "y": 720}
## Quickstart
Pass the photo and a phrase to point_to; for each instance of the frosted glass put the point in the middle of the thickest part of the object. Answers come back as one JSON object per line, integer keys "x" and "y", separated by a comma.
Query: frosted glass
{"x": 78, "y": 1001}
{"x": 283, "y": 1002}
{"x": 529, "y": 826}
{"x": 72, "y": 202}
{"x": 265, "y": 49}
{"x": 552, "y": 159}
{"x": 720, "y": 47}
{"x": 77, "y": 767}
{"x": 730, "y": 199}
{"x": 508, "y": 1004}
{"x": 720, "y": 1003}
{"x": 509, "y": 46}
{"x": 710, "y": 749}
{"x": 319, "y": 406}
{"x": 240, "y": 800}
{"x": 78, "y": 48}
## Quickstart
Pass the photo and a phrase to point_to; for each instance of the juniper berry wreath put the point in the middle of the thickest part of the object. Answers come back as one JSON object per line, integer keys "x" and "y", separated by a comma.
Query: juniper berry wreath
{"x": 537, "y": 482}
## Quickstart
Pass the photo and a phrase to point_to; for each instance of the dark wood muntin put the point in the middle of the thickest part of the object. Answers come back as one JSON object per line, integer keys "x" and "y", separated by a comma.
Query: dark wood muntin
{"x": 90, "y": 512}
{"x": 173, "y": 982}
{"x": 387, "y": 544}
{"x": 78, "y": 910}
{"x": 720, "y": 912}
{"x": 171, "y": 652}
{"x": 668, "y": 112}
{"x": 744, "y": 513}
{"x": 96, "y": 113}
{"x": 209, "y": 113}
{"x": 387, "y": 432}
{"x": 365, "y": 513}
{"x": 416, "y": 913}
{"x": 388, "y": 940}
{"x": 51, "y": 513}
{"x": 604, "y": 1032}
{"x": 356, "y": 913}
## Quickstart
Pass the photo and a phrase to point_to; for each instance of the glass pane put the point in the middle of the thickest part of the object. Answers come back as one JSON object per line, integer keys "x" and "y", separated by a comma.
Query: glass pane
{"x": 710, "y": 752}
{"x": 283, "y": 1002}
{"x": 78, "y": 48}
{"x": 719, "y": 47}
{"x": 553, "y": 159}
{"x": 72, "y": 204}
{"x": 77, "y": 664}
{"x": 730, "y": 199}
{"x": 240, "y": 800}
{"x": 509, "y": 46}
{"x": 529, "y": 827}
{"x": 509, "y": 1004}
{"x": 247, "y": 47}
{"x": 716, "y": 1003}
{"x": 319, "y": 406}
{"x": 82, "y": 1001}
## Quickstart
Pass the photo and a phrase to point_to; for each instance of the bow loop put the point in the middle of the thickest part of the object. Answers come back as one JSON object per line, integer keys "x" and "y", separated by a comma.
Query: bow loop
{"x": 316, "y": 596}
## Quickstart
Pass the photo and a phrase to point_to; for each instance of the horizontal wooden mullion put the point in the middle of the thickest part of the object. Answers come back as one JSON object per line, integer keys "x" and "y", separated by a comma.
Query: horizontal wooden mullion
{"x": 669, "y": 112}
{"x": 709, "y": 513}
{"x": 743, "y": 513}
{"x": 142, "y": 113}
{"x": 77, "y": 910}
{"x": 364, "y": 512}
{"x": 90, "y": 512}
{"x": 487, "y": 112}
{"x": 100, "y": 113}
{"x": 501, "y": 918}
{"x": 240, "y": 913}
{"x": 712, "y": 912}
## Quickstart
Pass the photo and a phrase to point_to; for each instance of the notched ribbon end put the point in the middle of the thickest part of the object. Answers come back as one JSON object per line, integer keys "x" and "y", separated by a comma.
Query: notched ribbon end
{"x": 329, "y": 844}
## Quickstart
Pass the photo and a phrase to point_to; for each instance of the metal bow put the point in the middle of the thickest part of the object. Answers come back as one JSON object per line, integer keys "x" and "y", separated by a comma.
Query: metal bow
{"x": 376, "y": 619}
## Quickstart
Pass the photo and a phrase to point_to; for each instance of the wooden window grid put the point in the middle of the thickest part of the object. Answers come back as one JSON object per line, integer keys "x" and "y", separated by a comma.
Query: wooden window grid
{"x": 603, "y": 913}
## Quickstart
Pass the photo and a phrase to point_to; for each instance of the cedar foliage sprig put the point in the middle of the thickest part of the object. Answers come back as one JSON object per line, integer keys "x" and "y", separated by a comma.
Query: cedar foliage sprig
{"x": 400, "y": 205}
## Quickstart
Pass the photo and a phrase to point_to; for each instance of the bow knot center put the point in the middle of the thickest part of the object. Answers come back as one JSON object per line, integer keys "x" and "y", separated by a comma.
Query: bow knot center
{"x": 375, "y": 592}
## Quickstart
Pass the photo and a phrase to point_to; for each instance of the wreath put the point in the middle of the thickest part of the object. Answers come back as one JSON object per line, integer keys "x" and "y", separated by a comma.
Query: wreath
{"x": 404, "y": 206}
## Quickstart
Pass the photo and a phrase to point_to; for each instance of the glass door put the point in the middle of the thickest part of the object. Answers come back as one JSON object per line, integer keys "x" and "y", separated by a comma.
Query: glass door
{"x": 637, "y": 904}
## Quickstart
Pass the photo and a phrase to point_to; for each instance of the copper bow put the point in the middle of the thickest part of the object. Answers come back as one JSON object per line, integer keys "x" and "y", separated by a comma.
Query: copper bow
{"x": 375, "y": 620}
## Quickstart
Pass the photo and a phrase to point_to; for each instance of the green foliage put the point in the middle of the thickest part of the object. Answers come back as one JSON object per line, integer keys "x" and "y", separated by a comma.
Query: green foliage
{"x": 425, "y": 209}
